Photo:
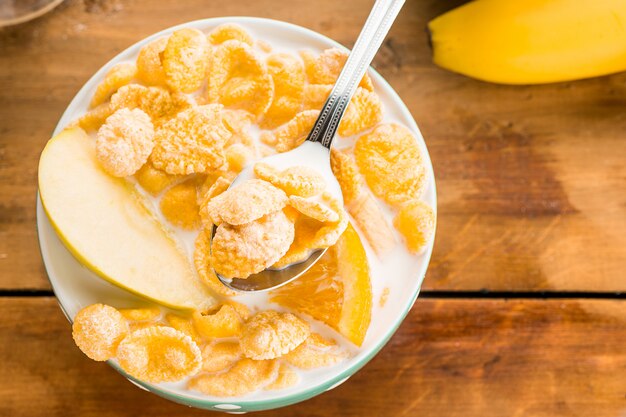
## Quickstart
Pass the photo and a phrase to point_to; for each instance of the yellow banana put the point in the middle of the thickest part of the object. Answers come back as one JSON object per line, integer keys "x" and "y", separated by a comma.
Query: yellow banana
{"x": 531, "y": 41}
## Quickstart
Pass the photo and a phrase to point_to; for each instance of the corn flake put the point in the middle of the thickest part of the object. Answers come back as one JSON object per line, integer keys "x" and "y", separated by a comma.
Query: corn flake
{"x": 288, "y": 75}
{"x": 266, "y": 172}
{"x": 313, "y": 209}
{"x": 286, "y": 378}
{"x": 157, "y": 102}
{"x": 149, "y": 67}
{"x": 229, "y": 31}
{"x": 241, "y": 309}
{"x": 299, "y": 181}
{"x": 149, "y": 314}
{"x": 245, "y": 377}
{"x": 315, "y": 352}
{"x": 184, "y": 60}
{"x": 325, "y": 68}
{"x": 347, "y": 174}
{"x": 239, "y": 251}
{"x": 372, "y": 223}
{"x": 218, "y": 187}
{"x": 245, "y": 202}
{"x": 118, "y": 76}
{"x": 238, "y": 156}
{"x": 239, "y": 79}
{"x": 94, "y": 118}
{"x": 303, "y": 243}
{"x": 263, "y": 46}
{"x": 124, "y": 142}
{"x": 221, "y": 321}
{"x": 238, "y": 123}
{"x": 268, "y": 139}
{"x": 216, "y": 182}
{"x": 295, "y": 132}
{"x": 363, "y": 112}
{"x": 330, "y": 232}
{"x": 185, "y": 325}
{"x": 191, "y": 142}
{"x": 202, "y": 262}
{"x": 391, "y": 163}
{"x": 154, "y": 180}
{"x": 220, "y": 356}
{"x": 97, "y": 330}
{"x": 179, "y": 205}
{"x": 416, "y": 222}
{"x": 159, "y": 354}
{"x": 269, "y": 335}
{"x": 315, "y": 95}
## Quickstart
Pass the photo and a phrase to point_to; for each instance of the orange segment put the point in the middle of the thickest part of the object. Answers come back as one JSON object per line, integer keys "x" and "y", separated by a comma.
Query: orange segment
{"x": 336, "y": 290}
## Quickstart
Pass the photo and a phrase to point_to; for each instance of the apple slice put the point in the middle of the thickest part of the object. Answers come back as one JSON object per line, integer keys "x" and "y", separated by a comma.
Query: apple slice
{"x": 103, "y": 222}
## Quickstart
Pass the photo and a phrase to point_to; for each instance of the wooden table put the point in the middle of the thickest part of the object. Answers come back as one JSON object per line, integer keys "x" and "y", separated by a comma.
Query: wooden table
{"x": 523, "y": 310}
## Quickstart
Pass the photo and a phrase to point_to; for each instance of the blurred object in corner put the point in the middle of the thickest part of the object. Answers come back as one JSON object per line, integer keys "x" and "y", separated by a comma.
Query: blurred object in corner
{"x": 531, "y": 41}
{"x": 13, "y": 12}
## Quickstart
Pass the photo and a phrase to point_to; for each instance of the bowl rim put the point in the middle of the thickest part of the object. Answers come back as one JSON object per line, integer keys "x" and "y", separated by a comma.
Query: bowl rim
{"x": 331, "y": 381}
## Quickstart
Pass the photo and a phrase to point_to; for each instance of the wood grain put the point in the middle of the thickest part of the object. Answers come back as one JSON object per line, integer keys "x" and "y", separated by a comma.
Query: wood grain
{"x": 449, "y": 358}
{"x": 531, "y": 180}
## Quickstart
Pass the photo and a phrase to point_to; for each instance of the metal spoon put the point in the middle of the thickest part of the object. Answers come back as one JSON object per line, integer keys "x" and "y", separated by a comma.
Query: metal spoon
{"x": 316, "y": 148}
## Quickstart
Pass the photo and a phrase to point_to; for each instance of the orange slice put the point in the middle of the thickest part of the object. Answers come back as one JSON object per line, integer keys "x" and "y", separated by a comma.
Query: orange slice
{"x": 336, "y": 290}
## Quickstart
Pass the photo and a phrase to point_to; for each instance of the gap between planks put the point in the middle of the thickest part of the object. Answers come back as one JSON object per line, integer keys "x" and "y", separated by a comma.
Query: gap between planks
{"x": 430, "y": 294}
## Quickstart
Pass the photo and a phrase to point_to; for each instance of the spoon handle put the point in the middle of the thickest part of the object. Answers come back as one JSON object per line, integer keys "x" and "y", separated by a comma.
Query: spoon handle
{"x": 371, "y": 37}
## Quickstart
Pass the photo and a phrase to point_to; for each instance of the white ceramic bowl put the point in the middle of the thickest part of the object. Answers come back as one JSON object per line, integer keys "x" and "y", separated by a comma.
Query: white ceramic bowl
{"x": 76, "y": 287}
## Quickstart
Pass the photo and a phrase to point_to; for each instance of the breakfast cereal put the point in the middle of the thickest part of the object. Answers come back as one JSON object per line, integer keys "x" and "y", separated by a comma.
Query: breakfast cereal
{"x": 183, "y": 120}
{"x": 239, "y": 251}
{"x": 239, "y": 79}
{"x": 121, "y": 74}
{"x": 191, "y": 142}
{"x": 179, "y": 205}
{"x": 219, "y": 356}
{"x": 245, "y": 377}
{"x": 149, "y": 314}
{"x": 149, "y": 67}
{"x": 313, "y": 209}
{"x": 184, "y": 60}
{"x": 294, "y": 132}
{"x": 159, "y": 354}
{"x": 154, "y": 180}
{"x": 315, "y": 95}
{"x": 246, "y": 202}
{"x": 416, "y": 222}
{"x": 269, "y": 335}
{"x": 286, "y": 378}
{"x": 391, "y": 163}
{"x": 221, "y": 321}
{"x": 98, "y": 329}
{"x": 202, "y": 262}
{"x": 287, "y": 73}
{"x": 238, "y": 156}
{"x": 314, "y": 352}
{"x": 297, "y": 180}
{"x": 124, "y": 142}
{"x": 185, "y": 325}
{"x": 325, "y": 67}
{"x": 229, "y": 31}
{"x": 157, "y": 102}
{"x": 363, "y": 112}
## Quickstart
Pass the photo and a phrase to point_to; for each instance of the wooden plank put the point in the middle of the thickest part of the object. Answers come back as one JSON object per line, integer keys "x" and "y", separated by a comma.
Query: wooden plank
{"x": 449, "y": 358}
{"x": 531, "y": 180}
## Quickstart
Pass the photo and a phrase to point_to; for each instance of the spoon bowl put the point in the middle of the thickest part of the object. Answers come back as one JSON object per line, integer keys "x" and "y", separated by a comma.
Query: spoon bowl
{"x": 310, "y": 154}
